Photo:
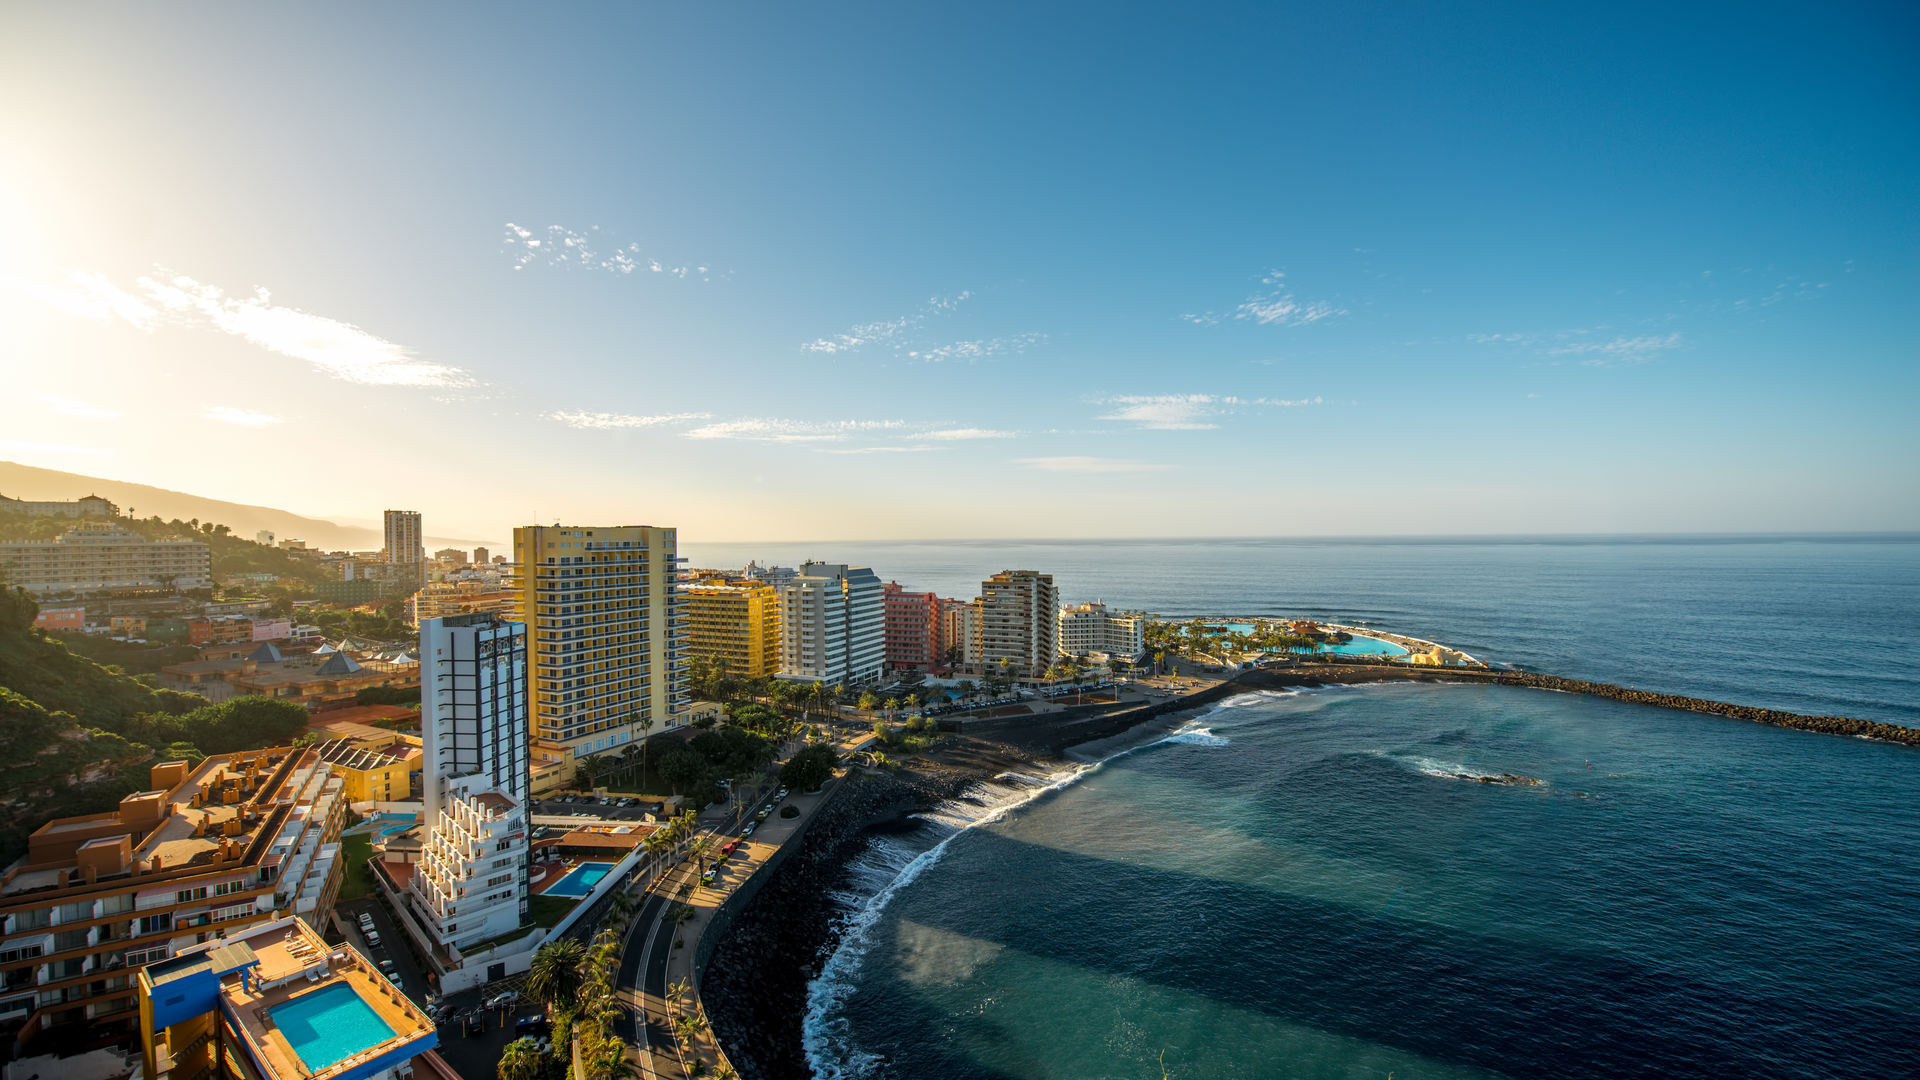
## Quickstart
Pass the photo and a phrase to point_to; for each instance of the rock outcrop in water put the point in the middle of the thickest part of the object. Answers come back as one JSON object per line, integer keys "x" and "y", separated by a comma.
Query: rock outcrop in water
{"x": 1503, "y": 778}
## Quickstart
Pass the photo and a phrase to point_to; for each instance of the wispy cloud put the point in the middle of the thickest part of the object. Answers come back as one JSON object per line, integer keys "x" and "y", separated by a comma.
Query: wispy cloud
{"x": 66, "y": 406}
{"x": 339, "y": 349}
{"x": 16, "y": 446}
{"x": 557, "y": 245}
{"x": 985, "y": 349}
{"x": 601, "y": 421}
{"x": 876, "y": 450}
{"x": 1075, "y": 464}
{"x": 886, "y": 332}
{"x": 1187, "y": 412}
{"x": 963, "y": 434}
{"x": 1620, "y": 350}
{"x": 227, "y": 414}
{"x": 1273, "y": 305}
{"x": 792, "y": 431}
{"x": 91, "y": 296}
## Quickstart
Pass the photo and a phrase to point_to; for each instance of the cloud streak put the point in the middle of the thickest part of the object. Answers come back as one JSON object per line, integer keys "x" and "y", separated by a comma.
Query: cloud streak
{"x": 603, "y": 421}
{"x": 92, "y": 296}
{"x": 557, "y": 245}
{"x": 886, "y": 332}
{"x": 1188, "y": 412}
{"x": 1620, "y": 350}
{"x": 335, "y": 348}
{"x": 1273, "y": 305}
{"x": 792, "y": 431}
{"x": 984, "y": 349}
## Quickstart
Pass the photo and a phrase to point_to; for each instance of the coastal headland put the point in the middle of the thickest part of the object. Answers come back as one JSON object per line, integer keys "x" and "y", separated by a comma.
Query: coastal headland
{"x": 755, "y": 987}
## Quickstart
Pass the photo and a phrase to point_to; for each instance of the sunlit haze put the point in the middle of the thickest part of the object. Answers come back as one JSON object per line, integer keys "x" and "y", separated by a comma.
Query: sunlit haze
{"x": 769, "y": 272}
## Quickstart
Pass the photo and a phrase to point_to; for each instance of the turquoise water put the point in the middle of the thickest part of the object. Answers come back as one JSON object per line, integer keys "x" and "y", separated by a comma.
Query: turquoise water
{"x": 384, "y": 824}
{"x": 328, "y": 1025}
{"x": 1359, "y": 645}
{"x": 1315, "y": 884}
{"x": 580, "y": 880}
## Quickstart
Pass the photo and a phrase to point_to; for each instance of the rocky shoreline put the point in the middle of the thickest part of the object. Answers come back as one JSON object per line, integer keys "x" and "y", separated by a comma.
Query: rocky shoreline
{"x": 755, "y": 988}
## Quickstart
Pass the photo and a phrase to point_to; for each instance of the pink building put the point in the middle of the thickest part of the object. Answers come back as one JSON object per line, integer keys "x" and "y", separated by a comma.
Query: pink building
{"x": 912, "y": 628}
{"x": 61, "y": 618}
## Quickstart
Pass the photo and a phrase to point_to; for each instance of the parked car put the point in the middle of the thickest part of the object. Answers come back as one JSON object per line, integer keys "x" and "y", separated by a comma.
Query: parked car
{"x": 531, "y": 1025}
{"x": 373, "y": 939}
{"x": 747, "y": 832}
{"x": 504, "y": 1000}
{"x": 708, "y": 877}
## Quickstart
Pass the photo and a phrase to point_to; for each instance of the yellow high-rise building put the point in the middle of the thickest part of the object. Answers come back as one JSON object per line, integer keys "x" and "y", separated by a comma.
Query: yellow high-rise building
{"x": 605, "y": 640}
{"x": 735, "y": 622}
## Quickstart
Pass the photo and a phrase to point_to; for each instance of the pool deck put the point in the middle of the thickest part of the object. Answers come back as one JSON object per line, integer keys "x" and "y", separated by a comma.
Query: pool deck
{"x": 282, "y": 977}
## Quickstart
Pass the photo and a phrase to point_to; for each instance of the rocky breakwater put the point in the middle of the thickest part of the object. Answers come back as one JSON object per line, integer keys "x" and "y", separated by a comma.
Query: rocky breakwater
{"x": 1829, "y": 725}
{"x": 755, "y": 987}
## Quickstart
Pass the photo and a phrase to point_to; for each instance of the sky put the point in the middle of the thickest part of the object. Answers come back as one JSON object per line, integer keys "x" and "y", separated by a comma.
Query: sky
{"x": 835, "y": 271}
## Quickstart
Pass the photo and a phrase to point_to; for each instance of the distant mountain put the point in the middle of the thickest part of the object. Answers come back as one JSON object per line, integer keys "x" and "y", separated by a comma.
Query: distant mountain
{"x": 27, "y": 482}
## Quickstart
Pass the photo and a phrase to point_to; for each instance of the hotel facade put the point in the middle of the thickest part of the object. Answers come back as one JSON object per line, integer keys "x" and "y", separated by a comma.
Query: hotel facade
{"x": 913, "y": 638}
{"x": 1093, "y": 630}
{"x": 736, "y": 622}
{"x": 833, "y": 624}
{"x": 605, "y": 633}
{"x": 93, "y": 557}
{"x": 471, "y": 881}
{"x": 1019, "y": 620}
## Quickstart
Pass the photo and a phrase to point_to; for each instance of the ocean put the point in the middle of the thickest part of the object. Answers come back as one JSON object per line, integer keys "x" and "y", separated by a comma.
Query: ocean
{"x": 1317, "y": 884}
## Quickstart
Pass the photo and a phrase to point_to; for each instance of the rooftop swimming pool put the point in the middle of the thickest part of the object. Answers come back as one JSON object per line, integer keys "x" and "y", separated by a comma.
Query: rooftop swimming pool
{"x": 384, "y": 824}
{"x": 580, "y": 880}
{"x": 328, "y": 1025}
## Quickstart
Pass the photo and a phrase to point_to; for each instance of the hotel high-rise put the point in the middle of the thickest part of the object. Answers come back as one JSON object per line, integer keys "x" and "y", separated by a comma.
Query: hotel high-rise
{"x": 833, "y": 624}
{"x": 736, "y": 623}
{"x": 605, "y": 646}
{"x": 1019, "y": 620}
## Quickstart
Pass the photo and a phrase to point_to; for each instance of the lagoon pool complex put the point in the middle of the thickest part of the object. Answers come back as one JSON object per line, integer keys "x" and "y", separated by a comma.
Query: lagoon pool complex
{"x": 1359, "y": 646}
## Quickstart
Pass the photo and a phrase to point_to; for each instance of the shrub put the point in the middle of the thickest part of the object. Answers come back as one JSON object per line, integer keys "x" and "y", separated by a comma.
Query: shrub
{"x": 789, "y": 811}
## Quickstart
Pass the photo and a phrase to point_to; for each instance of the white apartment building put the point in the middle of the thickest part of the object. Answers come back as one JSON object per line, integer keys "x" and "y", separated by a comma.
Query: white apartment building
{"x": 606, "y": 647}
{"x": 1019, "y": 620}
{"x": 471, "y": 883}
{"x": 99, "y": 557}
{"x": 833, "y": 624}
{"x": 1093, "y": 630}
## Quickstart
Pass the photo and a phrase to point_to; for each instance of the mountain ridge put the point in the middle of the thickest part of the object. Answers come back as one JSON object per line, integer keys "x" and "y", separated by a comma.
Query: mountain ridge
{"x": 33, "y": 483}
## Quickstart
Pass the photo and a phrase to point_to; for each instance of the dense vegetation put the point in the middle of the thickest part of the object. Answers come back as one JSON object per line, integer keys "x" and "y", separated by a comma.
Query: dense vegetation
{"x": 77, "y": 736}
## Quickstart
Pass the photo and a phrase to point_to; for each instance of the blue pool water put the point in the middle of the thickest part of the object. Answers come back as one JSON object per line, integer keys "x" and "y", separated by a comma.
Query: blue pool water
{"x": 1359, "y": 646}
{"x": 580, "y": 880}
{"x": 384, "y": 824}
{"x": 328, "y": 1025}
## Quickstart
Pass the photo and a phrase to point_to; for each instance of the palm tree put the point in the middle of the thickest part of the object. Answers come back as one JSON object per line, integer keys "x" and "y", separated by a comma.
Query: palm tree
{"x": 890, "y": 704}
{"x": 519, "y": 1061}
{"x": 556, "y": 974}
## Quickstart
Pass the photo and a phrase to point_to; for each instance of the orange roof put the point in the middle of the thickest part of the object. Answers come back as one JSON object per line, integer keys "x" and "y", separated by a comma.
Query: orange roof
{"x": 363, "y": 714}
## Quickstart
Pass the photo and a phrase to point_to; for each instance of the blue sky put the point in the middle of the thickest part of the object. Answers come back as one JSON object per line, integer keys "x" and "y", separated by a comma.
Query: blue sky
{"x": 869, "y": 270}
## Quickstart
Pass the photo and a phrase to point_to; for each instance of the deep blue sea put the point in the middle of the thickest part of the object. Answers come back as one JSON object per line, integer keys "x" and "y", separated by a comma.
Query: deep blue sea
{"x": 1313, "y": 884}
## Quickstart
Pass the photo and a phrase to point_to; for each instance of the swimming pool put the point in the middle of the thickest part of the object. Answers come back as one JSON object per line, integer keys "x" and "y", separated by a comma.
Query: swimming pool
{"x": 328, "y": 1025}
{"x": 384, "y": 824}
{"x": 580, "y": 880}
{"x": 1359, "y": 646}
